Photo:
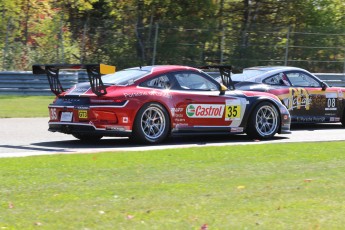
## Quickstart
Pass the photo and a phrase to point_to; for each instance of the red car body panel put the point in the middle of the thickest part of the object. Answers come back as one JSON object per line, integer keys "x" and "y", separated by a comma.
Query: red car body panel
{"x": 80, "y": 111}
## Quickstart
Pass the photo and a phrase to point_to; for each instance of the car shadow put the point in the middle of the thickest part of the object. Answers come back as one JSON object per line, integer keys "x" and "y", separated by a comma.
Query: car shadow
{"x": 121, "y": 144}
{"x": 127, "y": 144}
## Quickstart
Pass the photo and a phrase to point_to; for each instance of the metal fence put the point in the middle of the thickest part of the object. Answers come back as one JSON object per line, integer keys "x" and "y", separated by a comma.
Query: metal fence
{"x": 317, "y": 49}
{"x": 26, "y": 83}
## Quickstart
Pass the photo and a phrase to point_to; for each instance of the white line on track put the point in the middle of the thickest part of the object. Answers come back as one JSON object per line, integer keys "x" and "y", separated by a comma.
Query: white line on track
{"x": 20, "y": 137}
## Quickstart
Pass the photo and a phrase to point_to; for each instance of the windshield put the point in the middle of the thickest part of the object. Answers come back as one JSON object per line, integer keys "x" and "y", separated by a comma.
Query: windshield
{"x": 124, "y": 77}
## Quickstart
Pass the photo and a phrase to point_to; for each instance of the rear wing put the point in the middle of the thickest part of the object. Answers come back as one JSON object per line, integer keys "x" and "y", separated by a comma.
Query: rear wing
{"x": 225, "y": 74}
{"x": 94, "y": 72}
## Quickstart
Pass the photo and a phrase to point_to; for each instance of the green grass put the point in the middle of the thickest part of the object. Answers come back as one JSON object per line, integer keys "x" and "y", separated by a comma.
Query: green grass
{"x": 277, "y": 186}
{"x": 24, "y": 106}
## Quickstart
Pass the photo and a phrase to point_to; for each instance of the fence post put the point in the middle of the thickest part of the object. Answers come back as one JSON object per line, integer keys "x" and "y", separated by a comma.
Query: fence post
{"x": 62, "y": 41}
{"x": 5, "y": 50}
{"x": 287, "y": 47}
{"x": 344, "y": 65}
{"x": 155, "y": 45}
{"x": 222, "y": 46}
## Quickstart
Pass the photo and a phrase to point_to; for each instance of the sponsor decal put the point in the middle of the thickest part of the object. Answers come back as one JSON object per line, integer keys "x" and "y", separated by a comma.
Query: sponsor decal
{"x": 82, "y": 114}
{"x": 81, "y": 107}
{"x": 334, "y": 119}
{"x": 205, "y": 111}
{"x": 331, "y": 95}
{"x": 298, "y": 98}
{"x": 179, "y": 120}
{"x": 81, "y": 89}
{"x": 177, "y": 112}
{"x": 136, "y": 94}
{"x": 78, "y": 91}
{"x": 311, "y": 119}
{"x": 331, "y": 102}
{"x": 70, "y": 100}
{"x": 236, "y": 130}
{"x": 233, "y": 110}
{"x": 157, "y": 93}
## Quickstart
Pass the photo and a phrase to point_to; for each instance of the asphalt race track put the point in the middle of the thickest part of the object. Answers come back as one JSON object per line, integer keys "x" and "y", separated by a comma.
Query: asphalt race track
{"x": 29, "y": 136}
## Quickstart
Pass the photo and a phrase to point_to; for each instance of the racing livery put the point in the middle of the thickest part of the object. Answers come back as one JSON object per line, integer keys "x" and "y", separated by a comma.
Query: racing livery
{"x": 308, "y": 99}
{"x": 150, "y": 103}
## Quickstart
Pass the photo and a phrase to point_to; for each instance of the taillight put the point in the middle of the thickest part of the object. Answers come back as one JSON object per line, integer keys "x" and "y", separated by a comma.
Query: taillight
{"x": 105, "y": 116}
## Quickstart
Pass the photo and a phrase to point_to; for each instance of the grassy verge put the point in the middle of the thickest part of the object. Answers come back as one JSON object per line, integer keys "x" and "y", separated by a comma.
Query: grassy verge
{"x": 24, "y": 106}
{"x": 281, "y": 186}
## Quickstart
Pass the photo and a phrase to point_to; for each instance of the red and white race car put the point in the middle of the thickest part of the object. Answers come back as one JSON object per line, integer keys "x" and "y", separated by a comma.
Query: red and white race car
{"x": 150, "y": 103}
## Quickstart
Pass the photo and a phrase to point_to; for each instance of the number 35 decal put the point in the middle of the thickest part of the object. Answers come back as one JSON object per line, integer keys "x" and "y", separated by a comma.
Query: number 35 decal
{"x": 233, "y": 110}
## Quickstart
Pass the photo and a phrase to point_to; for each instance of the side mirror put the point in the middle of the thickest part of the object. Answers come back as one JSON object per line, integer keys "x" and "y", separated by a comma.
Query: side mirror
{"x": 223, "y": 88}
{"x": 324, "y": 86}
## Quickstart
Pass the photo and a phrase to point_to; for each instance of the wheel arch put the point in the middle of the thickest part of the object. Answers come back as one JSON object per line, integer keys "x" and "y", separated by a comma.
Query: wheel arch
{"x": 162, "y": 103}
{"x": 342, "y": 115}
{"x": 254, "y": 104}
{"x": 154, "y": 127}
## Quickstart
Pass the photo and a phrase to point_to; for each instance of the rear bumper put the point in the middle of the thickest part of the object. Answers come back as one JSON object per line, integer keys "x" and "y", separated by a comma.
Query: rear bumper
{"x": 75, "y": 128}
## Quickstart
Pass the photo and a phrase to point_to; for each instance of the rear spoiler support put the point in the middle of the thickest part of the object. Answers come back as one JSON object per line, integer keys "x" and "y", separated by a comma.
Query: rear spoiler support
{"x": 225, "y": 73}
{"x": 94, "y": 72}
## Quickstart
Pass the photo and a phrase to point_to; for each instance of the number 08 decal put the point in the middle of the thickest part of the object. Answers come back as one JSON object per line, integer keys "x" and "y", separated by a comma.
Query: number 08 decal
{"x": 233, "y": 110}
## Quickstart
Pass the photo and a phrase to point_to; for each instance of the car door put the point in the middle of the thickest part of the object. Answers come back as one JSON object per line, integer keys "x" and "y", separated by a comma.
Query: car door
{"x": 198, "y": 103}
{"x": 308, "y": 99}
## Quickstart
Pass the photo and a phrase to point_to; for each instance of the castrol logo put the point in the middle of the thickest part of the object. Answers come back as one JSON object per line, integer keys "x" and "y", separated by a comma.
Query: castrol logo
{"x": 205, "y": 111}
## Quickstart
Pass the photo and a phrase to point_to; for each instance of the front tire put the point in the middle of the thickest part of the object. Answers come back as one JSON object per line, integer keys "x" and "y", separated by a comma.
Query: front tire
{"x": 151, "y": 124}
{"x": 264, "y": 121}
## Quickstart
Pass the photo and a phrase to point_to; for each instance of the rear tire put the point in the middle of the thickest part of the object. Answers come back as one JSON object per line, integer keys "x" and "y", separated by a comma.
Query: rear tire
{"x": 87, "y": 137}
{"x": 151, "y": 124}
{"x": 264, "y": 121}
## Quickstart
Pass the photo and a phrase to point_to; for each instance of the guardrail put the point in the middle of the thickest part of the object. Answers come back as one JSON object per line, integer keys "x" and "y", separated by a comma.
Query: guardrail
{"x": 26, "y": 83}
{"x": 332, "y": 79}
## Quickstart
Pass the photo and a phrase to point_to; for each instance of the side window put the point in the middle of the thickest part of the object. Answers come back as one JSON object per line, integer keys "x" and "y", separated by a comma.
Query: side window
{"x": 161, "y": 82}
{"x": 277, "y": 79}
{"x": 302, "y": 79}
{"x": 194, "y": 81}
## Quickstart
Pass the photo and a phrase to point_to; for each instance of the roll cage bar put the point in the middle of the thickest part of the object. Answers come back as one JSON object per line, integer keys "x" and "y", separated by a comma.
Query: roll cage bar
{"x": 94, "y": 72}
